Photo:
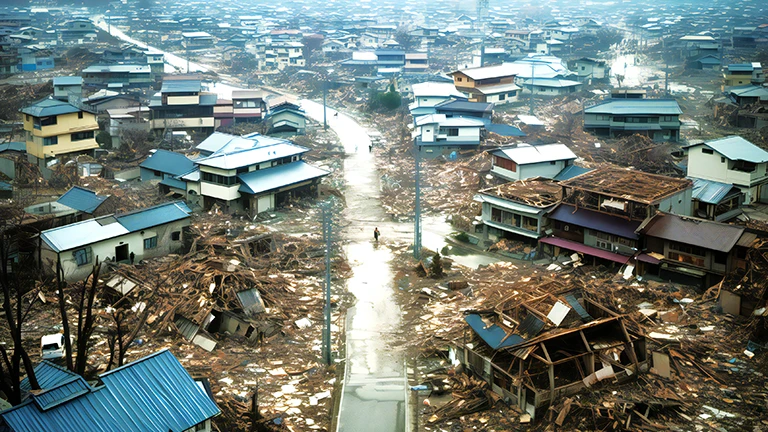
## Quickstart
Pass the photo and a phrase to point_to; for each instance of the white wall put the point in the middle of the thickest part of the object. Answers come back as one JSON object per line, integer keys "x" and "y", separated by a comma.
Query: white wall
{"x": 106, "y": 249}
{"x": 544, "y": 169}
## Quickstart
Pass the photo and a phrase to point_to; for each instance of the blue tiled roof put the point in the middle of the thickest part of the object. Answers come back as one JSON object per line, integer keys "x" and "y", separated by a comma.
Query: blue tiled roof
{"x": 81, "y": 199}
{"x": 48, "y": 375}
{"x": 13, "y": 146}
{"x": 49, "y": 107}
{"x": 153, "y": 394}
{"x": 168, "y": 162}
{"x": 153, "y": 216}
{"x": 259, "y": 181}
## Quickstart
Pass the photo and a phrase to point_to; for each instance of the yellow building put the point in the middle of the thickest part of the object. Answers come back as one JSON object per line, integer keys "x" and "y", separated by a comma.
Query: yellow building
{"x": 54, "y": 127}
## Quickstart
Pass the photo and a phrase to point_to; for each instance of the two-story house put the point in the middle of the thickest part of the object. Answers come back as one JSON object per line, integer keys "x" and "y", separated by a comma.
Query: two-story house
{"x": 428, "y": 94}
{"x": 282, "y": 54}
{"x": 687, "y": 250}
{"x": 181, "y": 105}
{"x": 54, "y": 128}
{"x": 494, "y": 84}
{"x": 743, "y": 73}
{"x": 658, "y": 119}
{"x": 602, "y": 209}
{"x": 65, "y": 87}
{"x": 197, "y": 40}
{"x": 78, "y": 31}
{"x": 731, "y": 160}
{"x": 696, "y": 46}
{"x": 592, "y": 69}
{"x": 518, "y": 209}
{"x": 437, "y": 134}
{"x": 523, "y": 161}
{"x": 482, "y": 111}
{"x": 118, "y": 76}
{"x": 248, "y": 105}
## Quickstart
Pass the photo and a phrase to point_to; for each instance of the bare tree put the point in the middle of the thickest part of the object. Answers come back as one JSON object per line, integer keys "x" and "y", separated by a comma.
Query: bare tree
{"x": 19, "y": 296}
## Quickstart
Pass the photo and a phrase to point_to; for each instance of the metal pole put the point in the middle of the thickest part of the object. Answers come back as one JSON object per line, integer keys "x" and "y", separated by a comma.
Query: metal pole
{"x": 532, "y": 74}
{"x": 325, "y": 95}
{"x": 327, "y": 327}
{"x": 417, "y": 204}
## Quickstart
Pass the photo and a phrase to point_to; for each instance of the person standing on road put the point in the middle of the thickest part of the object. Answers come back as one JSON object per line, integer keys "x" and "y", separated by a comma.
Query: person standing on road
{"x": 376, "y": 234}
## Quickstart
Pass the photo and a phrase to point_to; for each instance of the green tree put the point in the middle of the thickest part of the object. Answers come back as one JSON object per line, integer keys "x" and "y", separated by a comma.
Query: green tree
{"x": 436, "y": 270}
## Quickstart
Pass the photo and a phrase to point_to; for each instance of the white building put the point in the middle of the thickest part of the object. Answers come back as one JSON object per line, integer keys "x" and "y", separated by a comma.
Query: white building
{"x": 527, "y": 161}
{"x": 428, "y": 94}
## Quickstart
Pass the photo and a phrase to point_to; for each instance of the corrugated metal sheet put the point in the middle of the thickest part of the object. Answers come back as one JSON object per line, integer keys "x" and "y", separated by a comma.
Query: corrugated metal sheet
{"x": 50, "y": 107}
{"x": 181, "y": 86}
{"x": 737, "y": 148}
{"x": 153, "y": 216}
{"x": 48, "y": 375}
{"x": 154, "y": 394}
{"x": 694, "y": 232}
{"x": 504, "y": 130}
{"x": 636, "y": 106}
{"x": 251, "y": 301}
{"x": 570, "y": 172}
{"x": 530, "y": 327}
{"x": 251, "y": 156}
{"x": 528, "y": 154}
{"x": 493, "y": 335}
{"x": 259, "y": 181}
{"x": 576, "y": 305}
{"x": 65, "y": 391}
{"x": 711, "y": 192}
{"x": 81, "y": 199}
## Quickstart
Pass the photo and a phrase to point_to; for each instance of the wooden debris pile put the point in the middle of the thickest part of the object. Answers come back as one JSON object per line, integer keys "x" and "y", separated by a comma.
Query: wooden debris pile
{"x": 470, "y": 395}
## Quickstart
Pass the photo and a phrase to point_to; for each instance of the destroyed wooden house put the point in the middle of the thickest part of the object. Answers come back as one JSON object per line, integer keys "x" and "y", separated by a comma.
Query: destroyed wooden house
{"x": 536, "y": 352}
{"x": 518, "y": 209}
{"x": 744, "y": 291}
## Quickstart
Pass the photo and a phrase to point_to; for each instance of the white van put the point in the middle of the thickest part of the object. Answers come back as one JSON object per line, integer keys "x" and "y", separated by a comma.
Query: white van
{"x": 52, "y": 346}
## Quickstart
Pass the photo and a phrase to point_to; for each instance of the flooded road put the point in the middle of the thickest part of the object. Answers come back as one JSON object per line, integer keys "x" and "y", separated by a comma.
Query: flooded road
{"x": 375, "y": 393}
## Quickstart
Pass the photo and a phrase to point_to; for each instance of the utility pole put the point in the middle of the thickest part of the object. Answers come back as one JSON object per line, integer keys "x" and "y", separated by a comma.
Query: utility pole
{"x": 325, "y": 106}
{"x": 417, "y": 204}
{"x": 532, "y": 73}
{"x": 327, "y": 231}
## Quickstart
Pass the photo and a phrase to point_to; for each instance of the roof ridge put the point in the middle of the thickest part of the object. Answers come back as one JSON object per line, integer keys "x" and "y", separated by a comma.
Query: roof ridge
{"x": 135, "y": 362}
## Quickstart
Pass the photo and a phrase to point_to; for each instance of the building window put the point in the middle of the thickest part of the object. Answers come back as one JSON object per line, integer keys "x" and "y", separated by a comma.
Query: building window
{"x": 219, "y": 179}
{"x": 459, "y": 79}
{"x": 150, "y": 243}
{"x": 83, "y": 256}
{"x": 707, "y": 151}
{"x": 721, "y": 258}
{"x": 80, "y": 115}
{"x": 502, "y": 97}
{"x": 505, "y": 163}
{"x": 27, "y": 117}
{"x": 50, "y": 141}
{"x": 176, "y": 236}
{"x": 79, "y": 136}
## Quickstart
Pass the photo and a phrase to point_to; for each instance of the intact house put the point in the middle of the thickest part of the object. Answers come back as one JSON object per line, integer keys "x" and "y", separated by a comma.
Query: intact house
{"x": 248, "y": 106}
{"x": 285, "y": 116}
{"x": 688, "y": 250}
{"x": 550, "y": 86}
{"x": 658, "y": 119}
{"x": 517, "y": 209}
{"x": 524, "y": 161}
{"x": 167, "y": 167}
{"x": 416, "y": 63}
{"x": 747, "y": 94}
{"x": 250, "y": 174}
{"x": 54, "y": 128}
{"x": 118, "y": 76}
{"x": 592, "y": 69}
{"x": 731, "y": 160}
{"x": 481, "y": 111}
{"x": 601, "y": 211}
{"x": 536, "y": 351}
{"x": 181, "y": 105}
{"x": 129, "y": 237}
{"x": 66, "y": 86}
{"x": 152, "y": 394}
{"x": 428, "y": 94}
{"x": 494, "y": 84}
{"x": 197, "y": 40}
{"x": 742, "y": 74}
{"x": 437, "y": 134}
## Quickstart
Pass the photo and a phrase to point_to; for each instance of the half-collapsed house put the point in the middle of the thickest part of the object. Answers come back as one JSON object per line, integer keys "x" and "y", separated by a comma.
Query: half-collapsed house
{"x": 546, "y": 348}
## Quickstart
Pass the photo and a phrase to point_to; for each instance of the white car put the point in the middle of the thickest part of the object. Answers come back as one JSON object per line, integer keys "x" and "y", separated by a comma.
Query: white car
{"x": 52, "y": 346}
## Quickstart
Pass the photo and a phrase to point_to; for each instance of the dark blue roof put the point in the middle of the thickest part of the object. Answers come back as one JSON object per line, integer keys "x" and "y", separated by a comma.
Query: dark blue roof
{"x": 48, "y": 375}
{"x": 493, "y": 335}
{"x": 569, "y": 172}
{"x": 181, "y": 86}
{"x": 168, "y": 162}
{"x": 454, "y": 105}
{"x": 153, "y": 394}
{"x": 505, "y": 130}
{"x": 595, "y": 220}
{"x": 81, "y": 199}
{"x": 154, "y": 216}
